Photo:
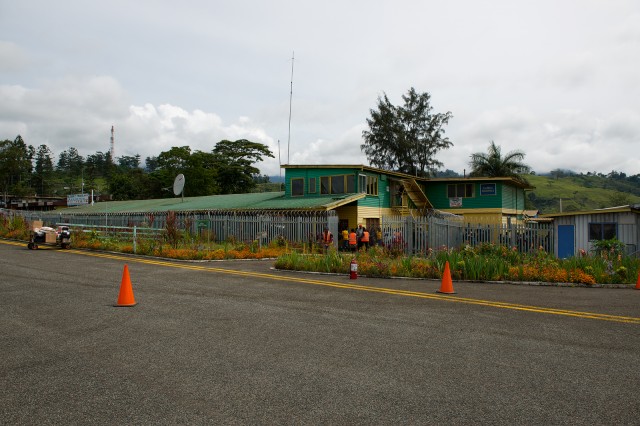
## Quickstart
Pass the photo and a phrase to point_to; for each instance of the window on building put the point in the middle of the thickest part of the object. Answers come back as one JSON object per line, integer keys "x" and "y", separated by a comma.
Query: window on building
{"x": 372, "y": 185}
{"x": 351, "y": 184}
{"x": 337, "y": 184}
{"x": 297, "y": 187}
{"x": 460, "y": 190}
{"x": 312, "y": 185}
{"x": 324, "y": 185}
{"x": 602, "y": 231}
{"x": 368, "y": 184}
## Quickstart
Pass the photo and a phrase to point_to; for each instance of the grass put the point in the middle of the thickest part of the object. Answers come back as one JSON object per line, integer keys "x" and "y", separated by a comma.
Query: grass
{"x": 485, "y": 263}
{"x": 578, "y": 193}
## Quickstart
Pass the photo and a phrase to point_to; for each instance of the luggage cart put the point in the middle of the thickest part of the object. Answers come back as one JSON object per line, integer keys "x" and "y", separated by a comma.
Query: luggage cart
{"x": 60, "y": 237}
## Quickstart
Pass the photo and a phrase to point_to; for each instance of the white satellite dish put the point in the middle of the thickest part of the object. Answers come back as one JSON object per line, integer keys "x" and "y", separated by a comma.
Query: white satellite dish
{"x": 178, "y": 184}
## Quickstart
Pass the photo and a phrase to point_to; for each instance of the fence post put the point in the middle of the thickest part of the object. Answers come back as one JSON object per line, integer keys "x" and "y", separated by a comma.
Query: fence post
{"x": 410, "y": 238}
{"x": 448, "y": 235}
{"x": 135, "y": 228}
{"x": 332, "y": 223}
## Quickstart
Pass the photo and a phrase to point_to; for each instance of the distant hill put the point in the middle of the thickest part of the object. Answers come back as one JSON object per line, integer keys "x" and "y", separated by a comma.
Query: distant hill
{"x": 276, "y": 179}
{"x": 580, "y": 192}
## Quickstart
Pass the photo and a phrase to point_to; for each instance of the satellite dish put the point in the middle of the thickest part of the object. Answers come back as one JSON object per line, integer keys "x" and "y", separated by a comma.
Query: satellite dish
{"x": 178, "y": 184}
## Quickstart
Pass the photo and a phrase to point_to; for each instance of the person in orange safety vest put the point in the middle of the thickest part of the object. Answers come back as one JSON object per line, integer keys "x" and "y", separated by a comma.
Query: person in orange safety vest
{"x": 353, "y": 240}
{"x": 365, "y": 239}
{"x": 327, "y": 238}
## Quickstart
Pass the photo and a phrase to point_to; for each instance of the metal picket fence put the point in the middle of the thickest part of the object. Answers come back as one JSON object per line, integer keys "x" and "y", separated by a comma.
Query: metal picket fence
{"x": 419, "y": 235}
{"x": 245, "y": 227}
{"x": 411, "y": 235}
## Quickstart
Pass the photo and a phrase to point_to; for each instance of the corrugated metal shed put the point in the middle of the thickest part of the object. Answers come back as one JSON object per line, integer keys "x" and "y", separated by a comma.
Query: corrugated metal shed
{"x": 231, "y": 202}
{"x": 625, "y": 218}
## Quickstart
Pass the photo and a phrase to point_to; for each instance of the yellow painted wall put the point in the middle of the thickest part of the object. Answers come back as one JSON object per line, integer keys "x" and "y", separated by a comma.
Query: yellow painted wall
{"x": 359, "y": 215}
{"x": 350, "y": 213}
{"x": 483, "y": 218}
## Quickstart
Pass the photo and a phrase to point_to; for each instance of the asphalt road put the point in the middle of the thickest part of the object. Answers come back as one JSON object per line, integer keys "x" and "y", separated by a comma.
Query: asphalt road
{"x": 240, "y": 343}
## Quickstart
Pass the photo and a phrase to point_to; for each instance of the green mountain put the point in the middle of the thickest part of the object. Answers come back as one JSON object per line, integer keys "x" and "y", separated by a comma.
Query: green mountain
{"x": 580, "y": 192}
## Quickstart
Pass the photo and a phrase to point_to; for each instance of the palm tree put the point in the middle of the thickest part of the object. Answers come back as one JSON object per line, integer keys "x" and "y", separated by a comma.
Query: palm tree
{"x": 493, "y": 164}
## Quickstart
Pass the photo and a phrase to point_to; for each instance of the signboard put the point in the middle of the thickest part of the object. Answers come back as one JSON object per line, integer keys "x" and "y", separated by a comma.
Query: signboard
{"x": 488, "y": 189}
{"x": 455, "y": 202}
{"x": 77, "y": 199}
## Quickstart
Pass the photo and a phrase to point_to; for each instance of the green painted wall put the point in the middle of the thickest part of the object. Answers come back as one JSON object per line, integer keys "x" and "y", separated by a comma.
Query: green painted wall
{"x": 505, "y": 196}
{"x": 513, "y": 197}
{"x": 381, "y": 200}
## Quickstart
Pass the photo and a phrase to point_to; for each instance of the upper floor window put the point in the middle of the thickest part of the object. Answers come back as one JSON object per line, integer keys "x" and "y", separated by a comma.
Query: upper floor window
{"x": 460, "y": 190}
{"x": 368, "y": 184}
{"x": 337, "y": 184}
{"x": 312, "y": 185}
{"x": 297, "y": 187}
{"x": 351, "y": 184}
{"x": 324, "y": 185}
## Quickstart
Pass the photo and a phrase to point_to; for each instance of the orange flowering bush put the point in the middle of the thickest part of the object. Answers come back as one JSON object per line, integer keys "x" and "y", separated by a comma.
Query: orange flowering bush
{"x": 485, "y": 263}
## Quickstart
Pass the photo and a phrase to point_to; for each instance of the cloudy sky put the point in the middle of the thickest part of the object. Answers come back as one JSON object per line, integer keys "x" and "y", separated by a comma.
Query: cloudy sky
{"x": 557, "y": 79}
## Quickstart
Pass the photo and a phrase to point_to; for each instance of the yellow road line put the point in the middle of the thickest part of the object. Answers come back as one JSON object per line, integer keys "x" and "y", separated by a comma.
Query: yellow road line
{"x": 421, "y": 295}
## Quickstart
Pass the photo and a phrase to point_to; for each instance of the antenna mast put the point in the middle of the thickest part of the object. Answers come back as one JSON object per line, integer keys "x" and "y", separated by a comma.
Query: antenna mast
{"x": 293, "y": 55}
{"x": 111, "y": 146}
{"x": 279, "y": 161}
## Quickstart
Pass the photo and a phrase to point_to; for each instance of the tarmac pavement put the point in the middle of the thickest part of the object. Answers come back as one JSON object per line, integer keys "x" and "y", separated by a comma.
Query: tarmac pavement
{"x": 239, "y": 343}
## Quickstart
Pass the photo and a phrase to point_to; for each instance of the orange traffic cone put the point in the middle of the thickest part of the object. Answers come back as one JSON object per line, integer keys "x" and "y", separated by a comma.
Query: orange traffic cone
{"x": 125, "y": 298}
{"x": 447, "y": 285}
{"x": 638, "y": 283}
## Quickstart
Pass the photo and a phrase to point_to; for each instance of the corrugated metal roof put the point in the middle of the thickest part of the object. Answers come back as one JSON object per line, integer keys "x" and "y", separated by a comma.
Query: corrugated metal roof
{"x": 635, "y": 208}
{"x": 351, "y": 166}
{"x": 511, "y": 180}
{"x": 251, "y": 201}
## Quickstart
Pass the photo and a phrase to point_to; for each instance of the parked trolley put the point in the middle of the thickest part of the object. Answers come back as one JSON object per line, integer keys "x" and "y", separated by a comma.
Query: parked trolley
{"x": 50, "y": 236}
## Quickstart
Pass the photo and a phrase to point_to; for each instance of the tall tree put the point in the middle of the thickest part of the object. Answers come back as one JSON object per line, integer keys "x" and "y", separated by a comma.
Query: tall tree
{"x": 71, "y": 162}
{"x": 128, "y": 162}
{"x": 131, "y": 184}
{"x": 406, "y": 138}
{"x": 150, "y": 164}
{"x": 493, "y": 164}
{"x": 43, "y": 170}
{"x": 236, "y": 161}
{"x": 16, "y": 165}
{"x": 98, "y": 164}
{"x": 174, "y": 160}
{"x": 202, "y": 174}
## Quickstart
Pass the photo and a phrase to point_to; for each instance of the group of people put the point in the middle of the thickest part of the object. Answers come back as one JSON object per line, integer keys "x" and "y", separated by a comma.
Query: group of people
{"x": 353, "y": 240}
{"x": 357, "y": 238}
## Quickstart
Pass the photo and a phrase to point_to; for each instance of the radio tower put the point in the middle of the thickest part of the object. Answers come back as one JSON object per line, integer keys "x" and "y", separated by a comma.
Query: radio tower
{"x": 111, "y": 145}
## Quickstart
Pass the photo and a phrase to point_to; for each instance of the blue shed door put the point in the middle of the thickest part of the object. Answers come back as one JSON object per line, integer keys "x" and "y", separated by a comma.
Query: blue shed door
{"x": 566, "y": 241}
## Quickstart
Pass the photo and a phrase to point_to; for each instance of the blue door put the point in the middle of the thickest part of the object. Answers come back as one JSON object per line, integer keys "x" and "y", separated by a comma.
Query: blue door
{"x": 566, "y": 241}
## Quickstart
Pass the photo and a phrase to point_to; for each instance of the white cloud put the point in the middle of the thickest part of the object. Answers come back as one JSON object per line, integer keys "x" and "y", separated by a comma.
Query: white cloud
{"x": 558, "y": 80}
{"x": 12, "y": 57}
{"x": 80, "y": 112}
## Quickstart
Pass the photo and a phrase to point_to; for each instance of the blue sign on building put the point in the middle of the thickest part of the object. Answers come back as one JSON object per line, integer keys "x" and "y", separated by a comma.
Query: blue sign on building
{"x": 488, "y": 189}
